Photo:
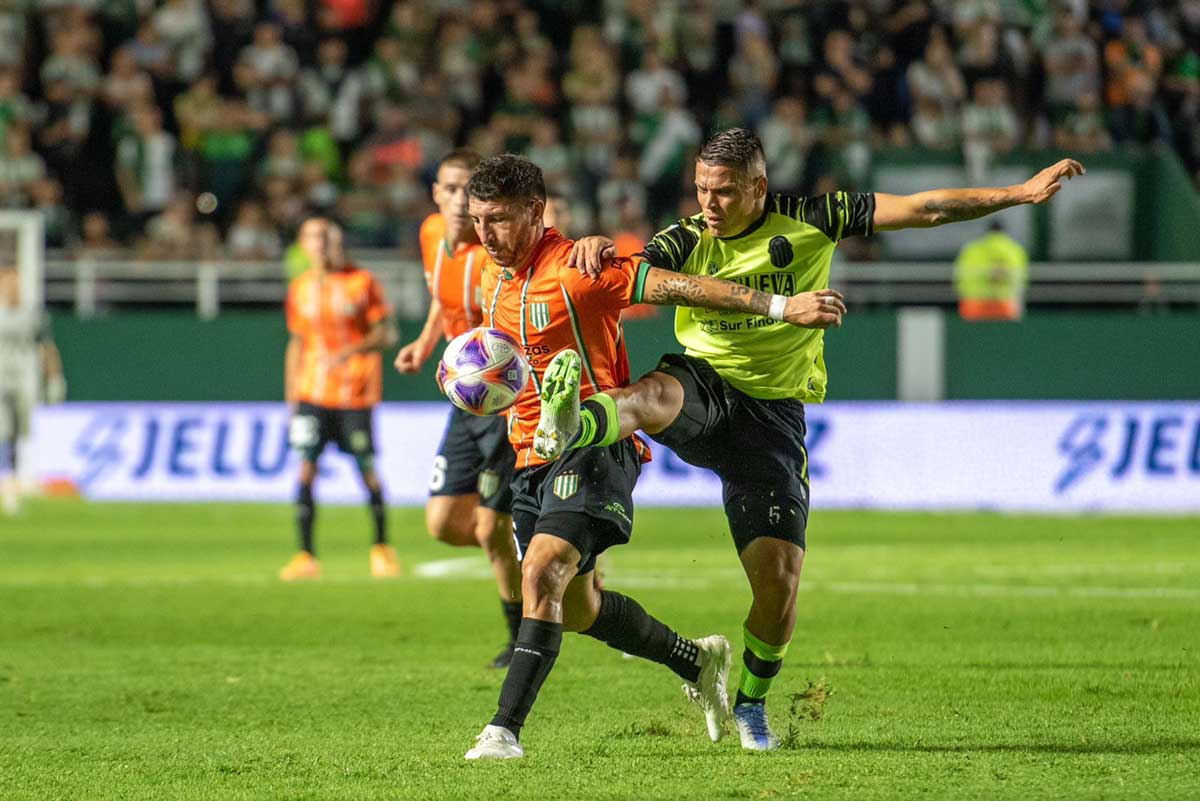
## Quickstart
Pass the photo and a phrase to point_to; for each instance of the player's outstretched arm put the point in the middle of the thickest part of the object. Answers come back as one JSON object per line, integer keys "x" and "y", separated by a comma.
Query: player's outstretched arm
{"x": 414, "y": 354}
{"x": 941, "y": 206}
{"x": 823, "y": 308}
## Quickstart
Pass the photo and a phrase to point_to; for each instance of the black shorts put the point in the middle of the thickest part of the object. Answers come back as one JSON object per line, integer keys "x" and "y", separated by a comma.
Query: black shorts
{"x": 313, "y": 427}
{"x": 756, "y": 447}
{"x": 585, "y": 498}
{"x": 475, "y": 457}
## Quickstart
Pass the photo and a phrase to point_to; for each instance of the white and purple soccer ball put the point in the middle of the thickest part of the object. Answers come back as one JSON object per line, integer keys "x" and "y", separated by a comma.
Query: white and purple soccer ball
{"x": 483, "y": 371}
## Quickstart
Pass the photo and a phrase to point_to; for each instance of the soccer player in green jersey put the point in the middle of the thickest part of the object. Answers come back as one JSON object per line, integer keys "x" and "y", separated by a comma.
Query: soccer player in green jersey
{"x": 734, "y": 401}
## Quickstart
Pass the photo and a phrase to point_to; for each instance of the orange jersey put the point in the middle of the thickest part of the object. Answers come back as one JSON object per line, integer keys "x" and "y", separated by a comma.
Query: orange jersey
{"x": 452, "y": 278}
{"x": 329, "y": 313}
{"x": 549, "y": 307}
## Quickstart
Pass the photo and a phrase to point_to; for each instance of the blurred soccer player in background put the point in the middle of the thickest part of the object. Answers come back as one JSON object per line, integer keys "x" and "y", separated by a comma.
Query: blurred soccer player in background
{"x": 734, "y": 401}
{"x": 339, "y": 323}
{"x": 558, "y": 213}
{"x": 30, "y": 369}
{"x": 470, "y": 500}
{"x": 568, "y": 512}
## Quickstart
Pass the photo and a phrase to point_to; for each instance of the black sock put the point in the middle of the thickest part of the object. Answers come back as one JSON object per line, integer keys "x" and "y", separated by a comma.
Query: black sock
{"x": 760, "y": 668}
{"x": 512, "y": 615}
{"x": 379, "y": 515}
{"x": 533, "y": 657}
{"x": 626, "y": 626}
{"x": 306, "y": 510}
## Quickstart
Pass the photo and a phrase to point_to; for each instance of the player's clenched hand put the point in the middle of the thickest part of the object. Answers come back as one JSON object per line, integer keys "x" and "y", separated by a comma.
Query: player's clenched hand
{"x": 590, "y": 253}
{"x": 1047, "y": 183}
{"x": 410, "y": 358}
{"x": 821, "y": 309}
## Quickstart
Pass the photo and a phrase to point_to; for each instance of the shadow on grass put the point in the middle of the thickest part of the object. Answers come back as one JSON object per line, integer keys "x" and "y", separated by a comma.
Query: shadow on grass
{"x": 1168, "y": 746}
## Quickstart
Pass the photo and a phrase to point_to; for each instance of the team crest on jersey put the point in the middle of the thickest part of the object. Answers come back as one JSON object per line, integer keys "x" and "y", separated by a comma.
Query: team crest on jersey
{"x": 489, "y": 483}
{"x": 539, "y": 315}
{"x": 566, "y": 485}
{"x": 780, "y": 250}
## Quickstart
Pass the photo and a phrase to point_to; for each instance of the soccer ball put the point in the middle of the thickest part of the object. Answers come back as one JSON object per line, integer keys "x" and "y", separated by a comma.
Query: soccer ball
{"x": 483, "y": 371}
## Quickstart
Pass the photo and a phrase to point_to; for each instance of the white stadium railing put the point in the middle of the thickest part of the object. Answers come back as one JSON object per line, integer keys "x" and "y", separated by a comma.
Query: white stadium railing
{"x": 94, "y": 285}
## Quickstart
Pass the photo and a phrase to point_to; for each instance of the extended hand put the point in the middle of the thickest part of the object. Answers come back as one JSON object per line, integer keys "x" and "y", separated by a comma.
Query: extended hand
{"x": 1047, "y": 183}
{"x": 821, "y": 309}
{"x": 590, "y": 253}
{"x": 410, "y": 358}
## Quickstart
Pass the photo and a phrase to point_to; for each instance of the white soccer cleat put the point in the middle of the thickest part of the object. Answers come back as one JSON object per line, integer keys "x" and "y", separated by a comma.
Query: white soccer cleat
{"x": 559, "y": 420}
{"x": 753, "y": 727}
{"x": 711, "y": 690}
{"x": 496, "y": 742}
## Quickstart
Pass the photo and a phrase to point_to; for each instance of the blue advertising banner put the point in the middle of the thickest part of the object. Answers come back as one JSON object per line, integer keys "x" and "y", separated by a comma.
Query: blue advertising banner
{"x": 1013, "y": 456}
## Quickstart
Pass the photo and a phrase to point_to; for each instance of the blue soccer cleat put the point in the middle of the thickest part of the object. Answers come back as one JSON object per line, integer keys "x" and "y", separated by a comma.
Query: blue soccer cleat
{"x": 753, "y": 728}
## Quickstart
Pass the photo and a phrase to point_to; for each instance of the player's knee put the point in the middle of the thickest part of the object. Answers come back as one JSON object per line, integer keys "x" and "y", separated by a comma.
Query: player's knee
{"x": 444, "y": 526}
{"x": 775, "y": 578}
{"x": 662, "y": 400}
{"x": 543, "y": 578}
{"x": 494, "y": 536}
{"x": 308, "y": 473}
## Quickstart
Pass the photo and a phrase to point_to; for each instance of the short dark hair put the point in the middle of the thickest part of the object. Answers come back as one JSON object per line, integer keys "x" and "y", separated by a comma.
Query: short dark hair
{"x": 507, "y": 177}
{"x": 738, "y": 148}
{"x": 463, "y": 157}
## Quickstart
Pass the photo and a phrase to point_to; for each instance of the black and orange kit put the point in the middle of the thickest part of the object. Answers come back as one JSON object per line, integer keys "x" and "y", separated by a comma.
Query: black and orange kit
{"x": 585, "y": 497}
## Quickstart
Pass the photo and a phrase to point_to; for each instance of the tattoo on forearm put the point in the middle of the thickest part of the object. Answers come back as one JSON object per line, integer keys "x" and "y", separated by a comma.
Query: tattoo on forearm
{"x": 748, "y": 299}
{"x": 959, "y": 209}
{"x": 682, "y": 291}
{"x": 709, "y": 294}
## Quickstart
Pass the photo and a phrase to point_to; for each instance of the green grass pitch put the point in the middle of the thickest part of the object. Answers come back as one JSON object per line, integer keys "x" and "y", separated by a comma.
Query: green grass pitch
{"x": 147, "y": 652}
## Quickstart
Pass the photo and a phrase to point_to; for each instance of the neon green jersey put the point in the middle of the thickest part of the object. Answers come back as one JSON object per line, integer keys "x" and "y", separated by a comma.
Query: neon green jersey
{"x": 993, "y": 267}
{"x": 787, "y": 251}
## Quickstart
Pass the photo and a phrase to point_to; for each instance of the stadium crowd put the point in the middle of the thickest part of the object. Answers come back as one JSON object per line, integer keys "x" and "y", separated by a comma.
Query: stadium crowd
{"x": 198, "y": 128}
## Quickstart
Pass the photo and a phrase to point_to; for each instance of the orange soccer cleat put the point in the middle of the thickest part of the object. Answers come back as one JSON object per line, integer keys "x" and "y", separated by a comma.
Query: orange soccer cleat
{"x": 384, "y": 563}
{"x": 303, "y": 567}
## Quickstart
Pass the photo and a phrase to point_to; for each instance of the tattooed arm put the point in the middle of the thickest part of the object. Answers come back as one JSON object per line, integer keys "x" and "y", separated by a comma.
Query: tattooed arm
{"x": 941, "y": 206}
{"x": 821, "y": 309}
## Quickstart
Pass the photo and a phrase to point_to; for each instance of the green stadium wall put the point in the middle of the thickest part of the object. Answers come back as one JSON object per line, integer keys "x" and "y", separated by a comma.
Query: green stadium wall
{"x": 153, "y": 356}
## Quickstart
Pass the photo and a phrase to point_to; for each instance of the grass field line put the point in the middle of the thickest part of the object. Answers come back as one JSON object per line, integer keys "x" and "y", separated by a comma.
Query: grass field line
{"x": 700, "y": 577}
{"x": 694, "y": 578}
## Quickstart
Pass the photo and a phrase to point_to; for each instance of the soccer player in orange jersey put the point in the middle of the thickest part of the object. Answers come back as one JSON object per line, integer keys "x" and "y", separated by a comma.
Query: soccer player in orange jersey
{"x": 470, "y": 500}
{"x": 567, "y": 512}
{"x": 339, "y": 323}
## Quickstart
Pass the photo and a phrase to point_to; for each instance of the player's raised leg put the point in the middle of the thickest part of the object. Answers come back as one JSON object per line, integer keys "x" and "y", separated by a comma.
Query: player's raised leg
{"x": 651, "y": 404}
{"x": 558, "y": 421}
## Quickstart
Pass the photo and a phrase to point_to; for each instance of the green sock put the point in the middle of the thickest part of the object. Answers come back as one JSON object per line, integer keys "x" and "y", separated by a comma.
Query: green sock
{"x": 761, "y": 663}
{"x": 599, "y": 423}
